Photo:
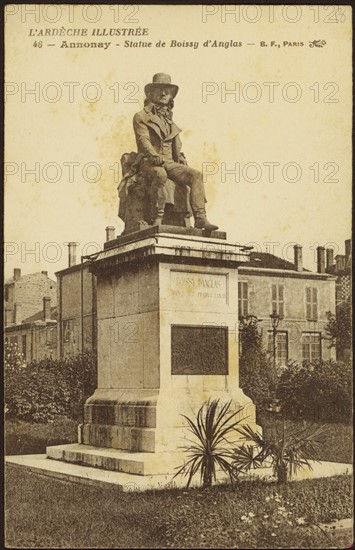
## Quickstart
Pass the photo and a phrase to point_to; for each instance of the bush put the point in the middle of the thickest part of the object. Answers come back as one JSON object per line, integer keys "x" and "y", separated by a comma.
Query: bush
{"x": 257, "y": 376}
{"x": 45, "y": 390}
{"x": 339, "y": 328}
{"x": 320, "y": 391}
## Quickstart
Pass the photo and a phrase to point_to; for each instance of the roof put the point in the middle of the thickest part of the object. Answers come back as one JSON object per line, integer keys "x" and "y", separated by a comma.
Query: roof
{"x": 39, "y": 316}
{"x": 269, "y": 261}
{"x": 342, "y": 273}
{"x": 27, "y": 276}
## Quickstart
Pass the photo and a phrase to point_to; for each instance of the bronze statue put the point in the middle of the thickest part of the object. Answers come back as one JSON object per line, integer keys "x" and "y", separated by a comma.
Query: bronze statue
{"x": 158, "y": 186}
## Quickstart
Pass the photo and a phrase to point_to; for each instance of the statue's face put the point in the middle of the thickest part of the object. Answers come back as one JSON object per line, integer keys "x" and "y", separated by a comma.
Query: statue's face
{"x": 161, "y": 95}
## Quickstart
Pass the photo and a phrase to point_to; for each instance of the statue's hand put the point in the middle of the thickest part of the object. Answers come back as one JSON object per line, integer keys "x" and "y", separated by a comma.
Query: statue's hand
{"x": 157, "y": 160}
{"x": 182, "y": 159}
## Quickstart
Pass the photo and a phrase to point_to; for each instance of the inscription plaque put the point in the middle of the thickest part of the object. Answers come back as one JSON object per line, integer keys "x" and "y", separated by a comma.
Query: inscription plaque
{"x": 202, "y": 286}
{"x": 199, "y": 349}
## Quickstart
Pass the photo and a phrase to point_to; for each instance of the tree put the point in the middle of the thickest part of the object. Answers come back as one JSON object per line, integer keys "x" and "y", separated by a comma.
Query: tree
{"x": 257, "y": 375}
{"x": 339, "y": 328}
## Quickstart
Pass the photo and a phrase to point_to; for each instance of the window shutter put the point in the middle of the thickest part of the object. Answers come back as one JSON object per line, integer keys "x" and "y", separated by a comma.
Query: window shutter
{"x": 274, "y": 293}
{"x": 308, "y": 294}
{"x": 315, "y": 303}
{"x": 281, "y": 309}
{"x": 281, "y": 293}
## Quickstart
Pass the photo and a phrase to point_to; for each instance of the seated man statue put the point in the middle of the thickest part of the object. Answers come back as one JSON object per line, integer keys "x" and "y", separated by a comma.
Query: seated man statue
{"x": 159, "y": 158}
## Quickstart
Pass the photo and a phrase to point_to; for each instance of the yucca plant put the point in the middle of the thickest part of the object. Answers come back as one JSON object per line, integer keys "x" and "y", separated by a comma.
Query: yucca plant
{"x": 289, "y": 453}
{"x": 210, "y": 449}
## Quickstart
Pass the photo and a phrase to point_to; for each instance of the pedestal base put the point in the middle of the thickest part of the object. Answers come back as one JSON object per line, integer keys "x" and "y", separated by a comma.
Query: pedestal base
{"x": 167, "y": 312}
{"x": 140, "y": 464}
{"x": 142, "y": 436}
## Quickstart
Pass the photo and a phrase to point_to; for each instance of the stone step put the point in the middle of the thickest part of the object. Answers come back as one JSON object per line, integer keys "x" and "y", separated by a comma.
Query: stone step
{"x": 121, "y": 414}
{"x": 141, "y": 464}
{"x": 119, "y": 437}
{"x": 74, "y": 473}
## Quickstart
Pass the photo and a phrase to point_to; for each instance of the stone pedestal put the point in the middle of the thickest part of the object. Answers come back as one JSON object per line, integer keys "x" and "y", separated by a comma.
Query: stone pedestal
{"x": 167, "y": 313}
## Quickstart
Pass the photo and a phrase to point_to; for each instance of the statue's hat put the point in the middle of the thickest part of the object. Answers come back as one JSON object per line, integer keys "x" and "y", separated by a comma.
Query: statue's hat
{"x": 161, "y": 79}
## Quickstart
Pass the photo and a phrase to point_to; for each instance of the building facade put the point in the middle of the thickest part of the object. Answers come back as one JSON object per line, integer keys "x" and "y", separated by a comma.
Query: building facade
{"x": 299, "y": 298}
{"x": 23, "y": 295}
{"x": 77, "y": 324}
{"x": 340, "y": 267}
{"x": 36, "y": 336}
{"x": 30, "y": 314}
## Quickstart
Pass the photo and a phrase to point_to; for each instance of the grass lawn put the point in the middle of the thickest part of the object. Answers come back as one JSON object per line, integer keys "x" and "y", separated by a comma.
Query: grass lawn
{"x": 337, "y": 447}
{"x": 22, "y": 438}
{"x": 45, "y": 512}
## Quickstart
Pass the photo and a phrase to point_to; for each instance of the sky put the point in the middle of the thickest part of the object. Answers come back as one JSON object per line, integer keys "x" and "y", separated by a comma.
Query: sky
{"x": 266, "y": 117}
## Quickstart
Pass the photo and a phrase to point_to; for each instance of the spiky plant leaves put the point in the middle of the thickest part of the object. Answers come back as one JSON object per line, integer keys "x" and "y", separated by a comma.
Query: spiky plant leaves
{"x": 290, "y": 453}
{"x": 211, "y": 447}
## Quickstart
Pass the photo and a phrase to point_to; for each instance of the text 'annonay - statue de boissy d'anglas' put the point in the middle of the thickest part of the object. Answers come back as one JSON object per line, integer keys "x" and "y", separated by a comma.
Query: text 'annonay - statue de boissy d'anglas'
{"x": 158, "y": 186}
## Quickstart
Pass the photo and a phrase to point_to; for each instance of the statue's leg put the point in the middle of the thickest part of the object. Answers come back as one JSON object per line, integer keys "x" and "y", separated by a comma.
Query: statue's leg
{"x": 182, "y": 174}
{"x": 156, "y": 179}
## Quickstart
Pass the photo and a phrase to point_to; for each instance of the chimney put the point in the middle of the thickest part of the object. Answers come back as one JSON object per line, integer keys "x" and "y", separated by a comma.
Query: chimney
{"x": 110, "y": 233}
{"x": 347, "y": 251}
{"x": 330, "y": 258}
{"x": 72, "y": 253}
{"x": 17, "y": 314}
{"x": 298, "y": 257}
{"x": 8, "y": 316}
{"x": 17, "y": 273}
{"x": 320, "y": 259}
{"x": 45, "y": 273}
{"x": 340, "y": 262}
{"x": 46, "y": 308}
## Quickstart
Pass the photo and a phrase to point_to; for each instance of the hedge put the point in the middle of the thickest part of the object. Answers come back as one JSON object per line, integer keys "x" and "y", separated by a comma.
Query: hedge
{"x": 321, "y": 391}
{"x": 44, "y": 390}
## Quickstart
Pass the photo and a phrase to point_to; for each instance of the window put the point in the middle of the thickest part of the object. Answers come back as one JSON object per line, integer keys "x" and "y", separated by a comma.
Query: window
{"x": 68, "y": 327}
{"x": 281, "y": 345}
{"x": 312, "y": 303}
{"x": 49, "y": 337}
{"x": 311, "y": 346}
{"x": 277, "y": 300}
{"x": 9, "y": 293}
{"x": 243, "y": 302}
{"x": 24, "y": 346}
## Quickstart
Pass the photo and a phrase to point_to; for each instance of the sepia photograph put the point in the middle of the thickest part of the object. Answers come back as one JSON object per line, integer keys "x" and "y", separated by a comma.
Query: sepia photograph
{"x": 177, "y": 276}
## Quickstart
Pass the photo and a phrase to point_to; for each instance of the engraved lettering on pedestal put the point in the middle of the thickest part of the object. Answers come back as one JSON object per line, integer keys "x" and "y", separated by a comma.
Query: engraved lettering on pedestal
{"x": 199, "y": 350}
{"x": 199, "y": 285}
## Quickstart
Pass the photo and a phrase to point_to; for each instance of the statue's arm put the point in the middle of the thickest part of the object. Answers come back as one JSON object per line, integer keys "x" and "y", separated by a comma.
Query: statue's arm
{"x": 182, "y": 158}
{"x": 142, "y": 136}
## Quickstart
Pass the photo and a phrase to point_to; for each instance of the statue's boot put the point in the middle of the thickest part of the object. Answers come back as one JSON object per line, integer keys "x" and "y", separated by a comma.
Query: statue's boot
{"x": 158, "y": 219}
{"x": 203, "y": 223}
